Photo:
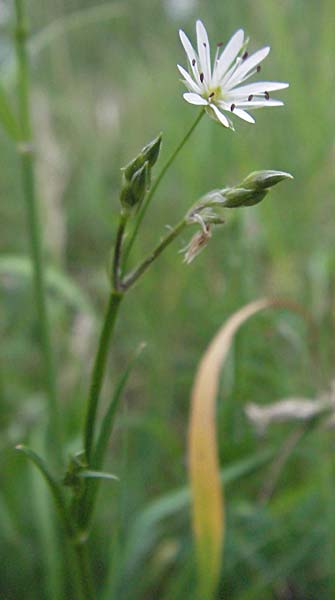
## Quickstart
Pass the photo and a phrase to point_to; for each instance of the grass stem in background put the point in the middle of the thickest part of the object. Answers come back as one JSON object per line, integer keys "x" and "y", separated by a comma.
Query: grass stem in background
{"x": 34, "y": 229}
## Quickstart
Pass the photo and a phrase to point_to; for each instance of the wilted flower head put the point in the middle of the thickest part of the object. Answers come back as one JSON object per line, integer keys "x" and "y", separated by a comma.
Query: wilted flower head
{"x": 219, "y": 88}
{"x": 197, "y": 243}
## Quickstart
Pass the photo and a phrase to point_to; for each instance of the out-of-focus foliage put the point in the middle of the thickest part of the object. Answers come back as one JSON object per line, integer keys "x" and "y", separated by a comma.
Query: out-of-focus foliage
{"x": 105, "y": 82}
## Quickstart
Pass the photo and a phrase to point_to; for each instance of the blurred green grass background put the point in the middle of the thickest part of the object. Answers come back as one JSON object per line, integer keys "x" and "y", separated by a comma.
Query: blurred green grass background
{"x": 101, "y": 89}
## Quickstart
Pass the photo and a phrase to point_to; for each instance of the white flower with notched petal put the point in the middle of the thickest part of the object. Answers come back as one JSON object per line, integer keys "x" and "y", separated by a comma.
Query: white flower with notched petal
{"x": 219, "y": 88}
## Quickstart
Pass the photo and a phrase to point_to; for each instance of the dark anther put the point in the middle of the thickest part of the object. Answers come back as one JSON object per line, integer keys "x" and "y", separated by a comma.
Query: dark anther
{"x": 205, "y": 45}
{"x": 193, "y": 62}
{"x": 258, "y": 68}
{"x": 219, "y": 44}
{"x": 211, "y": 95}
{"x": 250, "y": 98}
{"x": 201, "y": 77}
{"x": 245, "y": 55}
{"x": 232, "y": 108}
{"x": 267, "y": 95}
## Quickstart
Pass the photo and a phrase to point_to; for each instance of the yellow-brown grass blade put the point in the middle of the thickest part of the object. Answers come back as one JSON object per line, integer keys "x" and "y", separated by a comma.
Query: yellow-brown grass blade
{"x": 208, "y": 511}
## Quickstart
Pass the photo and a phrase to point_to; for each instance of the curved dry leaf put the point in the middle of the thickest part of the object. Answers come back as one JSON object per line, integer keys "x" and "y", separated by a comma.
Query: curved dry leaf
{"x": 208, "y": 521}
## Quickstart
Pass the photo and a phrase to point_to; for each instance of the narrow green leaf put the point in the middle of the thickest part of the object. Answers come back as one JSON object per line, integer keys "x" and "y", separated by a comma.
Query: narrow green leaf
{"x": 103, "y": 439}
{"x": 109, "y": 418}
{"x": 87, "y": 474}
{"x": 54, "y": 486}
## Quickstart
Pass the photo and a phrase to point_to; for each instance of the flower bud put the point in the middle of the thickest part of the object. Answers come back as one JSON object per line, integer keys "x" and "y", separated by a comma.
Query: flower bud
{"x": 133, "y": 191}
{"x": 127, "y": 198}
{"x": 151, "y": 150}
{"x": 235, "y": 197}
{"x": 261, "y": 180}
{"x": 139, "y": 182}
{"x": 149, "y": 154}
{"x": 130, "y": 169}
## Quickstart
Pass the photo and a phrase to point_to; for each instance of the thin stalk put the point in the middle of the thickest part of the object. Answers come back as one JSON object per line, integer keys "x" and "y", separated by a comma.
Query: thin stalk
{"x": 130, "y": 279}
{"x": 99, "y": 370}
{"x": 33, "y": 223}
{"x": 156, "y": 184}
{"x": 118, "y": 247}
{"x": 81, "y": 552}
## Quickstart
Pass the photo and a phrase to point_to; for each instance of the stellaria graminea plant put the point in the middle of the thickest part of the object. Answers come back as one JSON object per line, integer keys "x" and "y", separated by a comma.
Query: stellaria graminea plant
{"x": 74, "y": 487}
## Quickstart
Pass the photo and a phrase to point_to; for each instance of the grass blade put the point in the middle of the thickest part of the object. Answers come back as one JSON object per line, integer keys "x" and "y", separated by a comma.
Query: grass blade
{"x": 208, "y": 515}
{"x": 53, "y": 485}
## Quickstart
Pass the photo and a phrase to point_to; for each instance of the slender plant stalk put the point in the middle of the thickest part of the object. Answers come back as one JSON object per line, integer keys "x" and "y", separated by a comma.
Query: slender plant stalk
{"x": 118, "y": 248}
{"x": 99, "y": 370}
{"x": 130, "y": 279}
{"x": 86, "y": 581}
{"x": 34, "y": 228}
{"x": 156, "y": 184}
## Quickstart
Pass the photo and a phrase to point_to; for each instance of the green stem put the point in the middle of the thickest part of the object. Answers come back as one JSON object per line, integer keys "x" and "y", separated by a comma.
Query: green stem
{"x": 156, "y": 184}
{"x": 118, "y": 248}
{"x": 83, "y": 581}
{"x": 87, "y": 585}
{"x": 99, "y": 370}
{"x": 33, "y": 223}
{"x": 130, "y": 279}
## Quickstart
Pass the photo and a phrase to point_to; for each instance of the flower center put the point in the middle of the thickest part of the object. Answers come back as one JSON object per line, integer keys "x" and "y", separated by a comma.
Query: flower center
{"x": 214, "y": 94}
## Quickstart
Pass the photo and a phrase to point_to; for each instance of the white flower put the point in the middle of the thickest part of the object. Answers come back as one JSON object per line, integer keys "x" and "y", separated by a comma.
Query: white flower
{"x": 219, "y": 88}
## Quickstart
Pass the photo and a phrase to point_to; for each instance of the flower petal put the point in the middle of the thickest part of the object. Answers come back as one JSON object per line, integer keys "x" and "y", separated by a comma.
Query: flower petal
{"x": 246, "y": 66}
{"x": 193, "y": 86}
{"x": 259, "y": 103}
{"x": 219, "y": 115}
{"x": 243, "y": 115}
{"x": 204, "y": 51}
{"x": 228, "y": 55}
{"x": 190, "y": 52}
{"x": 259, "y": 87}
{"x": 195, "y": 99}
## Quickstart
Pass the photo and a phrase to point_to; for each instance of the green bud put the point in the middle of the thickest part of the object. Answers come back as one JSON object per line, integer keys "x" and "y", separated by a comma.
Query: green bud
{"x": 130, "y": 169}
{"x": 262, "y": 180}
{"x": 127, "y": 198}
{"x": 149, "y": 154}
{"x": 151, "y": 150}
{"x": 235, "y": 197}
{"x": 133, "y": 191}
{"x": 139, "y": 182}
